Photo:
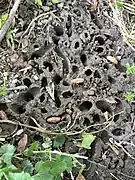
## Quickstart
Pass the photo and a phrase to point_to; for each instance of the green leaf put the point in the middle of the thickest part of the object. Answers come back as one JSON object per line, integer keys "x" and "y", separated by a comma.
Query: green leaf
{"x": 69, "y": 163}
{"x": 29, "y": 151}
{"x": 38, "y": 2}
{"x": 59, "y": 141}
{"x": 27, "y": 166}
{"x": 19, "y": 176}
{"x": 3, "y": 91}
{"x": 3, "y": 19}
{"x": 58, "y": 168}
{"x": 55, "y": 1}
{"x": 6, "y": 153}
{"x": 48, "y": 143}
{"x": 87, "y": 140}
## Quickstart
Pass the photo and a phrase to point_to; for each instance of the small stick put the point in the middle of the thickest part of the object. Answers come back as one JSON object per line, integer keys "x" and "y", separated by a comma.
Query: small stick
{"x": 7, "y": 24}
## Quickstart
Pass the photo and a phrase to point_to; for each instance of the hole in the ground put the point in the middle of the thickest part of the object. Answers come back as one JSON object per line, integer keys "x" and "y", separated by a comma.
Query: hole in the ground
{"x": 42, "y": 98}
{"x": 48, "y": 65}
{"x": 111, "y": 80}
{"x": 100, "y": 40}
{"x": 65, "y": 83}
{"x": 36, "y": 46}
{"x": 57, "y": 100}
{"x": 34, "y": 91}
{"x": 43, "y": 110}
{"x": 67, "y": 94}
{"x": 83, "y": 59}
{"x": 116, "y": 117}
{"x": 18, "y": 109}
{"x": 27, "y": 96}
{"x": 88, "y": 72}
{"x": 104, "y": 136}
{"x": 85, "y": 106}
{"x": 76, "y": 45}
{"x": 86, "y": 35}
{"x": 44, "y": 82}
{"x": 96, "y": 118}
{"x": 97, "y": 74}
{"x": 75, "y": 69}
{"x": 27, "y": 82}
{"x": 3, "y": 106}
{"x": 104, "y": 106}
{"x": 99, "y": 49}
{"x": 55, "y": 40}
{"x": 118, "y": 132}
{"x": 59, "y": 30}
{"x": 57, "y": 79}
{"x": 106, "y": 66}
{"x": 77, "y": 12}
{"x": 86, "y": 121}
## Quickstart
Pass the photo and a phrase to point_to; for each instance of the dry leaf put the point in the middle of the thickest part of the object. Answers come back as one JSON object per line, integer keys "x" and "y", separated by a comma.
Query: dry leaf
{"x": 77, "y": 81}
{"x": 80, "y": 177}
{"x": 54, "y": 119}
{"x": 22, "y": 143}
{"x": 112, "y": 59}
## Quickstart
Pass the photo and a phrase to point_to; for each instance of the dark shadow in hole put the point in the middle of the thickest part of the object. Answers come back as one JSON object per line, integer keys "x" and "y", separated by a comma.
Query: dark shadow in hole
{"x": 55, "y": 40}
{"x": 44, "y": 82}
{"x": 3, "y": 106}
{"x": 57, "y": 100}
{"x": 42, "y": 98}
{"x": 104, "y": 136}
{"x": 43, "y": 110}
{"x": 69, "y": 26}
{"x": 57, "y": 79}
{"x": 116, "y": 117}
{"x": 99, "y": 49}
{"x": 85, "y": 106}
{"x": 67, "y": 94}
{"x": 59, "y": 30}
{"x": 88, "y": 72}
{"x": 27, "y": 82}
{"x": 118, "y": 131}
{"x": 75, "y": 69}
{"x": 104, "y": 106}
{"x": 97, "y": 74}
{"x": 106, "y": 66}
{"x": 76, "y": 45}
{"x": 77, "y": 12}
{"x": 96, "y": 118}
{"x": 100, "y": 40}
{"x": 18, "y": 109}
{"x": 111, "y": 79}
{"x": 86, "y": 121}
{"x": 83, "y": 59}
{"x": 48, "y": 65}
{"x": 36, "y": 46}
{"x": 27, "y": 96}
{"x": 65, "y": 83}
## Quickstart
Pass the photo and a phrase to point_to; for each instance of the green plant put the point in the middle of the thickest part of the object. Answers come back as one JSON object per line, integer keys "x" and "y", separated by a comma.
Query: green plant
{"x": 38, "y": 2}
{"x": 3, "y": 19}
{"x": 3, "y": 90}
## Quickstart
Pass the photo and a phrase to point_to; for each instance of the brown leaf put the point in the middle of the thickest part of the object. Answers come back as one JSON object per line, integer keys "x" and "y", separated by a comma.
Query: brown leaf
{"x": 80, "y": 177}
{"x": 54, "y": 119}
{"x": 112, "y": 59}
{"x": 77, "y": 81}
{"x": 22, "y": 143}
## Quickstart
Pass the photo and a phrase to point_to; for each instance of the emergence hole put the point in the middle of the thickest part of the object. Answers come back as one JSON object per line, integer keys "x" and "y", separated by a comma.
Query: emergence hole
{"x": 57, "y": 79}
{"x": 77, "y": 12}
{"x": 48, "y": 65}
{"x": 86, "y": 35}
{"x": 117, "y": 132}
{"x": 65, "y": 83}
{"x": 96, "y": 74}
{"x": 100, "y": 40}
{"x": 83, "y": 59}
{"x": 86, "y": 122}
{"x": 88, "y": 72}
{"x": 36, "y": 46}
{"x": 67, "y": 94}
{"x": 76, "y": 45}
{"x": 104, "y": 106}
{"x": 96, "y": 118}
{"x": 28, "y": 96}
{"x": 111, "y": 80}
{"x": 18, "y": 109}
{"x": 42, "y": 98}
{"x": 85, "y": 106}
{"x": 43, "y": 110}
{"x": 43, "y": 82}
{"x": 59, "y": 30}
{"x": 75, "y": 69}
{"x": 106, "y": 66}
{"x": 57, "y": 100}
{"x": 3, "y": 106}
{"x": 27, "y": 82}
{"x": 100, "y": 49}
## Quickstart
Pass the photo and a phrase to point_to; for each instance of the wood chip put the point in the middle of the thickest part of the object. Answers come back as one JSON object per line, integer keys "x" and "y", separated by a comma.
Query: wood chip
{"x": 77, "y": 81}
{"x": 54, "y": 119}
{"x": 112, "y": 59}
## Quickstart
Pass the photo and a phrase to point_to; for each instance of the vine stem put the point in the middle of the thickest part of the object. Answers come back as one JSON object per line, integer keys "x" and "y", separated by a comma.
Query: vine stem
{"x": 61, "y": 153}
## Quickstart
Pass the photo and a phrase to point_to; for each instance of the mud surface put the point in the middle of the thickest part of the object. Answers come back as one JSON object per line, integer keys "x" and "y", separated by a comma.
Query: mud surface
{"x": 69, "y": 73}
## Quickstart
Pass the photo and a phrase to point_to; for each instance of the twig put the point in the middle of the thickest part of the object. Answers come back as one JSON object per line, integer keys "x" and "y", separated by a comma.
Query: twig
{"x": 7, "y": 24}
{"x": 114, "y": 176}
